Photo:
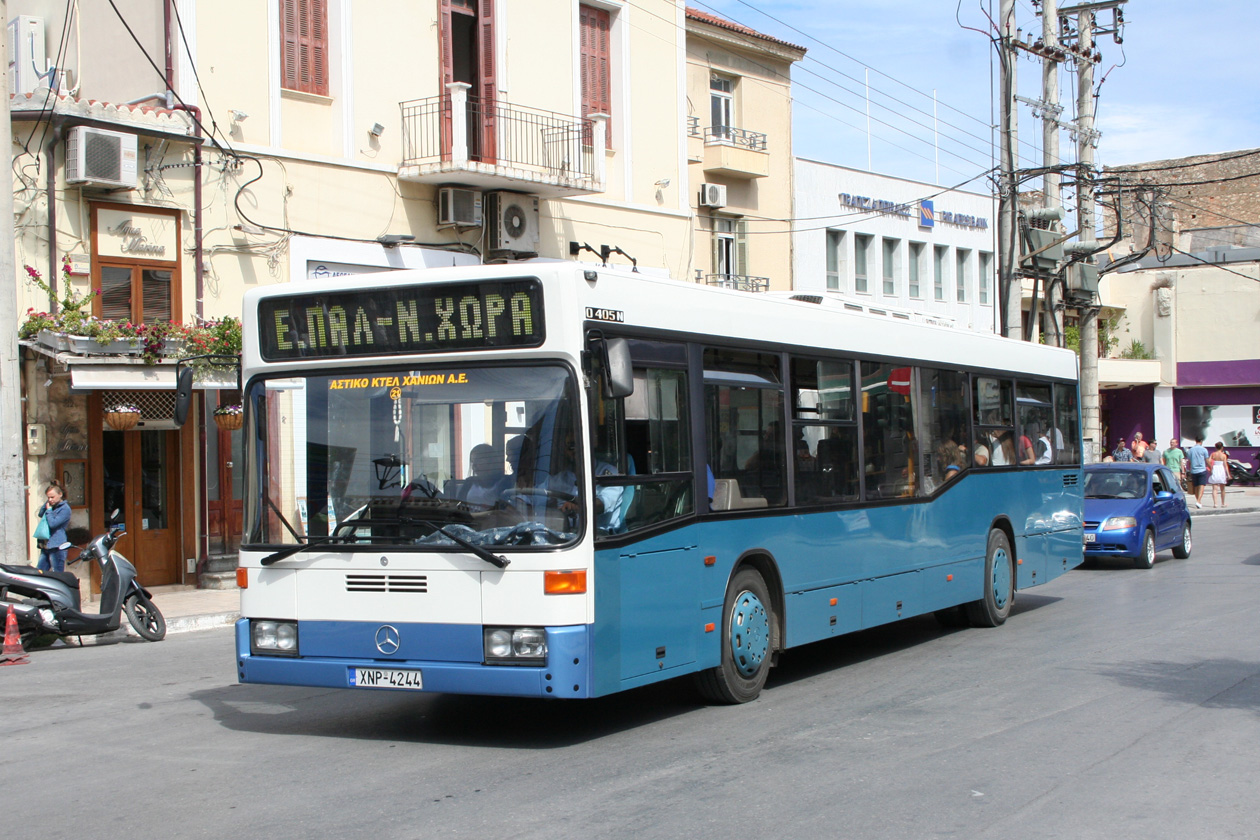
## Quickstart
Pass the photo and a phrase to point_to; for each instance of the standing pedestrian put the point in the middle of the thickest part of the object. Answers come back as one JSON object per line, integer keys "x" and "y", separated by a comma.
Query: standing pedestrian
{"x": 1218, "y": 475}
{"x": 1197, "y": 459}
{"x": 55, "y": 512}
{"x": 1121, "y": 452}
{"x": 1175, "y": 460}
{"x": 1139, "y": 447}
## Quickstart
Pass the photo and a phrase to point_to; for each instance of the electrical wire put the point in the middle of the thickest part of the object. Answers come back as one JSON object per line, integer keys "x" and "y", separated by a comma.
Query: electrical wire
{"x": 214, "y": 124}
{"x": 187, "y": 108}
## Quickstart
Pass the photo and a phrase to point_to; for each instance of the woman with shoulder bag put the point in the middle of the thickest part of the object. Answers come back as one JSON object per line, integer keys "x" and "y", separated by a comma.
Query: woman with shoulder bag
{"x": 55, "y": 514}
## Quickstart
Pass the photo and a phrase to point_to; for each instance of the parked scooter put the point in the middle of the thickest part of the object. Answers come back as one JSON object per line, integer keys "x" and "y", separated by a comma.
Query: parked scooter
{"x": 47, "y": 603}
{"x": 1241, "y": 472}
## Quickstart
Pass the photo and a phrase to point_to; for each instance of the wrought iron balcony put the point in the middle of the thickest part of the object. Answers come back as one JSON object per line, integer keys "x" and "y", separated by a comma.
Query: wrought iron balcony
{"x": 457, "y": 138}
{"x": 730, "y": 151}
{"x": 739, "y": 282}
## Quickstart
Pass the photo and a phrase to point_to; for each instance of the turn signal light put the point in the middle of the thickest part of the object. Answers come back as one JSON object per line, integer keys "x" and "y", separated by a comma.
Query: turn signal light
{"x": 564, "y": 583}
{"x": 242, "y": 578}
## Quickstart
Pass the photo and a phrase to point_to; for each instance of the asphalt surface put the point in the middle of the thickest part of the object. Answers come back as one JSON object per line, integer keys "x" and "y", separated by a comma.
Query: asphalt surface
{"x": 1115, "y": 703}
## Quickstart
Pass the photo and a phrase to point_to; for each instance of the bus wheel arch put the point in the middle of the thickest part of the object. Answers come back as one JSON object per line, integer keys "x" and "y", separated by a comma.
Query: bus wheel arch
{"x": 751, "y": 632}
{"x": 1000, "y": 563}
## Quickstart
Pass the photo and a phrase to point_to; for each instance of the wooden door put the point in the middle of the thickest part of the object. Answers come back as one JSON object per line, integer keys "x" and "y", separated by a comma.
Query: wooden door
{"x": 141, "y": 471}
{"x": 224, "y": 477}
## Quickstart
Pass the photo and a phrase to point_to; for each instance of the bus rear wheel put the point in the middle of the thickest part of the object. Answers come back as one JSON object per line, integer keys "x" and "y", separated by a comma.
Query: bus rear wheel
{"x": 999, "y": 583}
{"x": 749, "y": 633}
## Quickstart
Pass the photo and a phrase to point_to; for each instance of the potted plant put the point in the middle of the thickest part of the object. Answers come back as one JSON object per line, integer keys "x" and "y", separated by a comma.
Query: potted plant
{"x": 228, "y": 417}
{"x": 122, "y": 416}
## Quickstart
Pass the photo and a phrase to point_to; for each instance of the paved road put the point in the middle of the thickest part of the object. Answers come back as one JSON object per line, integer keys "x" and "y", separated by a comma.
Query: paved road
{"x": 1115, "y": 703}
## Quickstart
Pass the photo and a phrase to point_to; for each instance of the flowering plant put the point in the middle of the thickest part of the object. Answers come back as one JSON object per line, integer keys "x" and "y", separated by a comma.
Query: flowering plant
{"x": 123, "y": 408}
{"x": 225, "y": 410}
{"x": 73, "y": 308}
{"x": 36, "y": 321}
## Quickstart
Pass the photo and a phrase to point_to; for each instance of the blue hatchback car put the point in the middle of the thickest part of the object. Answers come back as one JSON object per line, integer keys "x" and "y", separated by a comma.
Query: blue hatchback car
{"x": 1134, "y": 510}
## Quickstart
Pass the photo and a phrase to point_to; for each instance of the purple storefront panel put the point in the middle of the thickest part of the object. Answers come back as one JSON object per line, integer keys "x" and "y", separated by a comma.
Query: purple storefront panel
{"x": 1228, "y": 385}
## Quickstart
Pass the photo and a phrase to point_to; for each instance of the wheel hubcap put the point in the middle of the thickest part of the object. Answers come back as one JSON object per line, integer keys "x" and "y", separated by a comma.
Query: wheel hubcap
{"x": 1001, "y": 578}
{"x": 1185, "y": 540}
{"x": 750, "y": 633}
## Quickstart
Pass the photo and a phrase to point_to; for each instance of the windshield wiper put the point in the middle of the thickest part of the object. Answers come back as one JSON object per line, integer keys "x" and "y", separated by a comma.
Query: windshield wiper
{"x": 481, "y": 553}
{"x": 294, "y": 549}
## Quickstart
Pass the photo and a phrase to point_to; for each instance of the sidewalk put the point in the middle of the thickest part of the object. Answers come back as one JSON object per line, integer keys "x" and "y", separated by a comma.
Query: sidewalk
{"x": 187, "y": 608}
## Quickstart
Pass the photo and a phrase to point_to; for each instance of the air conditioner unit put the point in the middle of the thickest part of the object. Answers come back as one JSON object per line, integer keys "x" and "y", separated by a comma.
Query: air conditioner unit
{"x": 513, "y": 222}
{"x": 712, "y": 195}
{"x": 28, "y": 60}
{"x": 459, "y": 206}
{"x": 99, "y": 158}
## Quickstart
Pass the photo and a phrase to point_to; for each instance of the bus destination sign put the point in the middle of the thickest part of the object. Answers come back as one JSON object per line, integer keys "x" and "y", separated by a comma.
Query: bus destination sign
{"x": 487, "y": 315}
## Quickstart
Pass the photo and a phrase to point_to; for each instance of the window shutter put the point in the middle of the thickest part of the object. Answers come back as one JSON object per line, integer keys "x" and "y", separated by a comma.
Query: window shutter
{"x": 289, "y": 52}
{"x": 741, "y": 247}
{"x": 596, "y": 90}
{"x": 319, "y": 46}
{"x": 115, "y": 297}
{"x": 304, "y": 53}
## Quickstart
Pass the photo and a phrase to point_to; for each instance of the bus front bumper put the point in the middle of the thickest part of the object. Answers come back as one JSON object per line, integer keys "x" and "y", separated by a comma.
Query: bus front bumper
{"x": 448, "y": 659}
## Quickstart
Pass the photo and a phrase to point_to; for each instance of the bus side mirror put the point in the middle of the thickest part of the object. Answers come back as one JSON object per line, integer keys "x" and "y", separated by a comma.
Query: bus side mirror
{"x": 618, "y": 372}
{"x": 183, "y": 395}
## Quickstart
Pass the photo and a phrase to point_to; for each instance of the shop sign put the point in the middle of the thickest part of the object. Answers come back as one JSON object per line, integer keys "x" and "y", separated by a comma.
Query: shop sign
{"x": 136, "y": 235}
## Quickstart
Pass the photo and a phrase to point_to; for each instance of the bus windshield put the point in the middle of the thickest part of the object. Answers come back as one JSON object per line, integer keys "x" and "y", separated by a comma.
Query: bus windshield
{"x": 411, "y": 456}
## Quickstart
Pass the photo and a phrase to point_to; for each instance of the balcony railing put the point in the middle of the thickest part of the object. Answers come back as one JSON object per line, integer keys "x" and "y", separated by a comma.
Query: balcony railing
{"x": 739, "y": 282}
{"x": 727, "y": 135}
{"x": 456, "y": 132}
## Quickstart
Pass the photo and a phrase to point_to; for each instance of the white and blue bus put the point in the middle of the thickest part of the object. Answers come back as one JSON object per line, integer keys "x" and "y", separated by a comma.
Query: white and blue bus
{"x": 549, "y": 480}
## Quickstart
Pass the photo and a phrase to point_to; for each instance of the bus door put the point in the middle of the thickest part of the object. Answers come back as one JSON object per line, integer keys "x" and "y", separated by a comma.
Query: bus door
{"x": 647, "y": 573}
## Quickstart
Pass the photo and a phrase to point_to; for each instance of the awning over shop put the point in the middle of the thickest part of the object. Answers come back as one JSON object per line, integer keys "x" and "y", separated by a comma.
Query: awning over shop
{"x": 123, "y": 377}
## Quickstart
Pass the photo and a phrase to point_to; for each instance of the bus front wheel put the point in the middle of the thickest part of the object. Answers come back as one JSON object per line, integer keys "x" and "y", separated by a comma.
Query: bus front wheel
{"x": 748, "y": 642}
{"x": 999, "y": 583}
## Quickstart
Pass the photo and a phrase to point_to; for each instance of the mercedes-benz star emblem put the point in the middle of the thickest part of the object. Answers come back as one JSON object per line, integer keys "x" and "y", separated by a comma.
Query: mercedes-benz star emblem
{"x": 387, "y": 639}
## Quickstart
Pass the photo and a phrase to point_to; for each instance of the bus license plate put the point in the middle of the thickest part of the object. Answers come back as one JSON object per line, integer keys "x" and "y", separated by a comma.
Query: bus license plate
{"x": 1090, "y": 537}
{"x": 385, "y": 678}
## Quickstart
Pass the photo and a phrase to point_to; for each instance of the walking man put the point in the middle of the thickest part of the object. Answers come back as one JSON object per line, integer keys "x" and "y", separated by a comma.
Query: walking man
{"x": 1198, "y": 460}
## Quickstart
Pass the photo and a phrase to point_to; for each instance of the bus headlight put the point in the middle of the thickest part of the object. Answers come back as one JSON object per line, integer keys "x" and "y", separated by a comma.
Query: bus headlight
{"x": 515, "y": 645}
{"x": 273, "y": 638}
{"x": 1119, "y": 523}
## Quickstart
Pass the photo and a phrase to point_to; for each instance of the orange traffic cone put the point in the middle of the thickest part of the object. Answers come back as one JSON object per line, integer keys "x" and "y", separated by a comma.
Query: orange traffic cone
{"x": 13, "y": 654}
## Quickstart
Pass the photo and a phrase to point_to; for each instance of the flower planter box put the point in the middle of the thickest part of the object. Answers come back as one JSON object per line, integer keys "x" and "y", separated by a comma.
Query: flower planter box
{"x": 91, "y": 347}
{"x": 175, "y": 348}
{"x": 121, "y": 421}
{"x": 228, "y": 422}
{"x": 54, "y": 340}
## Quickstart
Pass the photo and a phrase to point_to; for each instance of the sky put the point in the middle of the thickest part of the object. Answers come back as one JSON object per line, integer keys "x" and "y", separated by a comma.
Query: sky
{"x": 1183, "y": 82}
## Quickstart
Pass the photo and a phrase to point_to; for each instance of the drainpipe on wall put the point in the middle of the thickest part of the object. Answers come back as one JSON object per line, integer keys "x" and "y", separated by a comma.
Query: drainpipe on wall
{"x": 203, "y": 509}
{"x": 53, "y": 264}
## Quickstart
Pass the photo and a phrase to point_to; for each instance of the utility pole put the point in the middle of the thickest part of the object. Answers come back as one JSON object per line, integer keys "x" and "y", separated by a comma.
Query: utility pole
{"x": 1010, "y": 287}
{"x": 1050, "y": 145}
{"x": 13, "y": 540}
{"x": 1091, "y": 429}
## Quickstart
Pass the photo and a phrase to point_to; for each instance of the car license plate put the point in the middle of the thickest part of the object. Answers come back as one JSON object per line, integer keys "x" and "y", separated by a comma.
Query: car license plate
{"x": 385, "y": 678}
{"x": 1090, "y": 537}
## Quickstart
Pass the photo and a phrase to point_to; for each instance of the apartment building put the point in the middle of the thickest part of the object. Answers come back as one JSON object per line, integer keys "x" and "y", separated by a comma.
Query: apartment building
{"x": 174, "y": 153}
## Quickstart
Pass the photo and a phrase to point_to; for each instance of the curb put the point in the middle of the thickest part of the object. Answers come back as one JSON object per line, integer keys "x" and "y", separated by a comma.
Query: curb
{"x": 176, "y": 624}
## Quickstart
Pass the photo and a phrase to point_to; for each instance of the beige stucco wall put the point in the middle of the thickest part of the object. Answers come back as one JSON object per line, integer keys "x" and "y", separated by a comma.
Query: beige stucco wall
{"x": 1213, "y": 314}
{"x": 762, "y": 103}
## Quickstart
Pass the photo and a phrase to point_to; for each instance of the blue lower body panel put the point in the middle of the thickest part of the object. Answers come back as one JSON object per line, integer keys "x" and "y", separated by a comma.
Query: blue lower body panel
{"x": 449, "y": 658}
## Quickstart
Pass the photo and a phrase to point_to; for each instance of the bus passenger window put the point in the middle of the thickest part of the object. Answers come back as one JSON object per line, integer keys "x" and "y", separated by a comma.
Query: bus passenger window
{"x": 1036, "y": 419}
{"x": 747, "y": 441}
{"x": 824, "y": 435}
{"x": 943, "y": 427}
{"x": 1066, "y": 431}
{"x": 995, "y": 443}
{"x": 891, "y": 457}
